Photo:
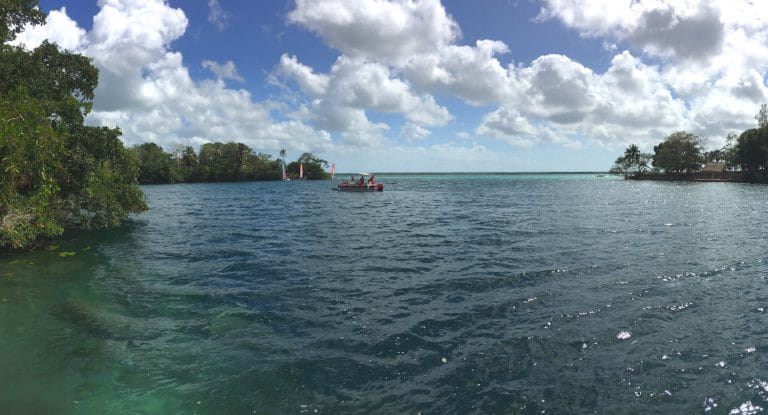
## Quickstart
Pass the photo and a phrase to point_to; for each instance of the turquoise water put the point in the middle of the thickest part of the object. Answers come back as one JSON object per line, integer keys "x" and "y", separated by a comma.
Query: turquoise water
{"x": 442, "y": 294}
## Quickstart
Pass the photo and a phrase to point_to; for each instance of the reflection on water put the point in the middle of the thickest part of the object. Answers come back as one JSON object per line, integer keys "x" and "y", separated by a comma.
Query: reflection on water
{"x": 443, "y": 294}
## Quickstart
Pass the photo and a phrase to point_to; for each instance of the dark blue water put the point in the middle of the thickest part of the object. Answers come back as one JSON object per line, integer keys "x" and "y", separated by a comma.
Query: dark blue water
{"x": 440, "y": 295}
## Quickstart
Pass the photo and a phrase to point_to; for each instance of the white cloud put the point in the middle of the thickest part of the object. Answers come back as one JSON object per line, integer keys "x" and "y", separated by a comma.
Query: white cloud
{"x": 508, "y": 124}
{"x": 665, "y": 32}
{"x": 414, "y": 132}
{"x": 378, "y": 29}
{"x": 560, "y": 89}
{"x": 58, "y": 28}
{"x": 470, "y": 73}
{"x": 711, "y": 61}
{"x": 313, "y": 84}
{"x": 226, "y": 70}
{"x": 217, "y": 15}
{"x": 353, "y": 87}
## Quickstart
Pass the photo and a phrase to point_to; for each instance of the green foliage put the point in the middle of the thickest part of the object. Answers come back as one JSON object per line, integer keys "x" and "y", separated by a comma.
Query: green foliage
{"x": 29, "y": 191}
{"x": 62, "y": 81}
{"x": 184, "y": 165}
{"x": 14, "y": 14}
{"x": 762, "y": 117}
{"x": 751, "y": 150}
{"x": 55, "y": 171}
{"x": 218, "y": 162}
{"x": 155, "y": 165}
{"x": 106, "y": 180}
{"x": 313, "y": 167}
{"x": 632, "y": 162}
{"x": 679, "y": 153}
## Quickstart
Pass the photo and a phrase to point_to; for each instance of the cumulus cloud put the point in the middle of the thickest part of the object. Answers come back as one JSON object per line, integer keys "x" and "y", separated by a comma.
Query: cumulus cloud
{"x": 708, "y": 55}
{"x": 507, "y": 123}
{"x": 680, "y": 25}
{"x": 560, "y": 89}
{"x": 565, "y": 103}
{"x": 554, "y": 99}
{"x": 378, "y": 29}
{"x": 313, "y": 84}
{"x": 353, "y": 87}
{"x": 662, "y": 32}
{"x": 58, "y": 28}
{"x": 226, "y": 70}
{"x": 471, "y": 73}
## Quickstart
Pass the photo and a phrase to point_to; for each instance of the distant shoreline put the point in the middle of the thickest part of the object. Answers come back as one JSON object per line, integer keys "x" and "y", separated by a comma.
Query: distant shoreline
{"x": 725, "y": 177}
{"x": 476, "y": 173}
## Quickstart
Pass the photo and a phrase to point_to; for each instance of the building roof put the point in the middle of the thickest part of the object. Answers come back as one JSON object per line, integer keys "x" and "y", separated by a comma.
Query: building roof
{"x": 714, "y": 168}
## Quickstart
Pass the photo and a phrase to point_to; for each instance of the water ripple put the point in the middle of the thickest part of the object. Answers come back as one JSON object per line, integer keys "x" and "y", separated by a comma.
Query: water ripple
{"x": 444, "y": 294}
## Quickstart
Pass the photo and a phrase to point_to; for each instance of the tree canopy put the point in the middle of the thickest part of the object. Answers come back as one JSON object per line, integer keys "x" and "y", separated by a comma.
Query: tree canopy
{"x": 751, "y": 151}
{"x": 762, "y": 117}
{"x": 632, "y": 162}
{"x": 57, "y": 172}
{"x": 679, "y": 153}
{"x": 218, "y": 162}
{"x": 14, "y": 14}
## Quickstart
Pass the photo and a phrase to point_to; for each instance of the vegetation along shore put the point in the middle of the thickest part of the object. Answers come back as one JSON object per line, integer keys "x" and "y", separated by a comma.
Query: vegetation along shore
{"x": 57, "y": 172}
{"x": 743, "y": 158}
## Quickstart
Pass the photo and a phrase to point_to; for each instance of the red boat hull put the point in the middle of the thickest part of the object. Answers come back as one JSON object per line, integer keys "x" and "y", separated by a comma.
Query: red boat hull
{"x": 378, "y": 187}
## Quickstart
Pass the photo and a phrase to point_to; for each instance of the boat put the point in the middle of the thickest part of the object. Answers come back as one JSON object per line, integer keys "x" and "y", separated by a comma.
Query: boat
{"x": 358, "y": 186}
{"x": 285, "y": 176}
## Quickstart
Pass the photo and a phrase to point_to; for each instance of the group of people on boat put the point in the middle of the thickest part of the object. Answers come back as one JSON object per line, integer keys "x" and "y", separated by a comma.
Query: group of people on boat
{"x": 352, "y": 182}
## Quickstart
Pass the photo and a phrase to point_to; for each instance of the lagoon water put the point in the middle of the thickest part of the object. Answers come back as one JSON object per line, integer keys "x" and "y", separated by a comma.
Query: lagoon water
{"x": 444, "y": 294}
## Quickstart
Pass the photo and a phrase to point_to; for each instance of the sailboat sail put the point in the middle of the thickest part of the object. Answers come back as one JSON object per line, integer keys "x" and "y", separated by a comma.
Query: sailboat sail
{"x": 301, "y": 171}
{"x": 333, "y": 170}
{"x": 285, "y": 176}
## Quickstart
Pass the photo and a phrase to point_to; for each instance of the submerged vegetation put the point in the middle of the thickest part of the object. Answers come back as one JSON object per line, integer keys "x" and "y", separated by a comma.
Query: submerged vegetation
{"x": 680, "y": 156}
{"x": 56, "y": 171}
{"x": 218, "y": 162}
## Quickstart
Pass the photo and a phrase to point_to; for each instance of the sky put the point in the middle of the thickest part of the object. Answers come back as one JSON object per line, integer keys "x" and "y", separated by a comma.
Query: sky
{"x": 421, "y": 85}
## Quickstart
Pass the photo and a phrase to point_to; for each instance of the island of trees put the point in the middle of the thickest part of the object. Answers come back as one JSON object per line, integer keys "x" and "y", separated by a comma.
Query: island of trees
{"x": 743, "y": 158}
{"x": 219, "y": 162}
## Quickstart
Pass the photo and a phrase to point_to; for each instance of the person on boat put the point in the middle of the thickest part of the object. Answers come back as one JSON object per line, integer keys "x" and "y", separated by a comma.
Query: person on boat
{"x": 361, "y": 182}
{"x": 371, "y": 182}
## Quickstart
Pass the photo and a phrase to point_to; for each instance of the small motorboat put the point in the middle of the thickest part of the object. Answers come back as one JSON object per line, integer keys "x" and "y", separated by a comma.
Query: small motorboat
{"x": 366, "y": 183}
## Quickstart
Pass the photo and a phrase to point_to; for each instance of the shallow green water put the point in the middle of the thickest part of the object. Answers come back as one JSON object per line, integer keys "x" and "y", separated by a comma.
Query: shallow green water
{"x": 442, "y": 294}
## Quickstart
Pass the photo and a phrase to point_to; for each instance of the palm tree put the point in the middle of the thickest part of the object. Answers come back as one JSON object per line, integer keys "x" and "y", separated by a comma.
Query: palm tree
{"x": 632, "y": 156}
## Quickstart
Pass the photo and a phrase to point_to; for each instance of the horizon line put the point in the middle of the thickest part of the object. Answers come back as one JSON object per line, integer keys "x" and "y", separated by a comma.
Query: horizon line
{"x": 477, "y": 172}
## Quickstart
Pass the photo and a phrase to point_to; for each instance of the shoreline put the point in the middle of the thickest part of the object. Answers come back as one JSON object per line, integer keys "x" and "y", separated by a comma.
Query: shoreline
{"x": 701, "y": 177}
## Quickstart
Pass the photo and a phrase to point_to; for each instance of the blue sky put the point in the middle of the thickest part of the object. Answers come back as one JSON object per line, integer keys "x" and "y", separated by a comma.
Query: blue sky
{"x": 421, "y": 85}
